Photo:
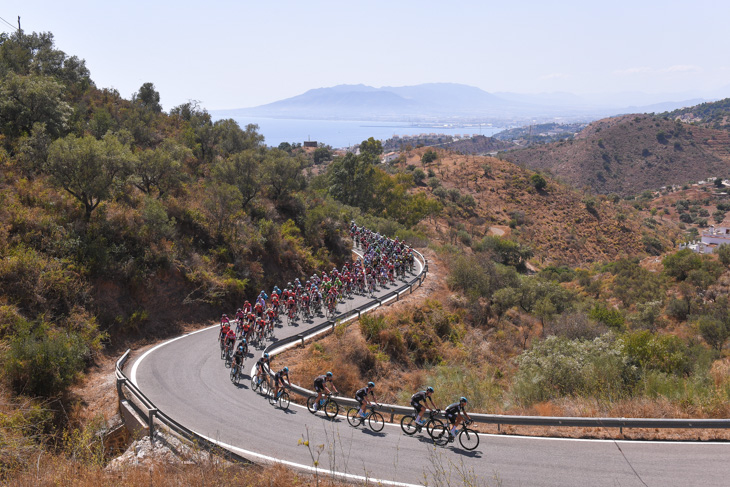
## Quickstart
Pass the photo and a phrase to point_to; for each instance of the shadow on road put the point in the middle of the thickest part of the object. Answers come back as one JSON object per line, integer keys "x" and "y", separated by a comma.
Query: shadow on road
{"x": 370, "y": 432}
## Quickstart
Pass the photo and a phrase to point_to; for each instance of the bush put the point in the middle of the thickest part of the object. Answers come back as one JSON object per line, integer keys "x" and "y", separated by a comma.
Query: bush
{"x": 44, "y": 362}
{"x": 575, "y": 325}
{"x": 538, "y": 182}
{"x": 429, "y": 156}
{"x": 651, "y": 351}
{"x": 723, "y": 252}
{"x": 559, "y": 367}
{"x": 419, "y": 176}
{"x": 678, "y": 308}
{"x": 612, "y": 318}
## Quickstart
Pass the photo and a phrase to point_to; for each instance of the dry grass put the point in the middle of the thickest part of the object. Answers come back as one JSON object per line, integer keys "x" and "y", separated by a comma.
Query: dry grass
{"x": 60, "y": 471}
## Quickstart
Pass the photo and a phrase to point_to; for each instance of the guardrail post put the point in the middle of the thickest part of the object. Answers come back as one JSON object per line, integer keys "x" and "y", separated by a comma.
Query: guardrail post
{"x": 499, "y": 428}
{"x": 392, "y": 414}
{"x": 120, "y": 382}
{"x": 151, "y": 421}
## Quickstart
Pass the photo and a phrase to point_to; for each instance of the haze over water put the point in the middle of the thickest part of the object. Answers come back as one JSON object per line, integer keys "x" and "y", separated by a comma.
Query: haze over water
{"x": 346, "y": 133}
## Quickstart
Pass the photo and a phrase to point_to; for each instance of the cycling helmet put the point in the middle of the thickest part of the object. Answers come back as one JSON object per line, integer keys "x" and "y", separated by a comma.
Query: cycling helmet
{"x": 240, "y": 347}
{"x": 463, "y": 399}
{"x": 329, "y": 374}
{"x": 429, "y": 389}
{"x": 371, "y": 384}
{"x": 243, "y": 342}
{"x": 286, "y": 369}
{"x": 225, "y": 315}
{"x": 266, "y": 355}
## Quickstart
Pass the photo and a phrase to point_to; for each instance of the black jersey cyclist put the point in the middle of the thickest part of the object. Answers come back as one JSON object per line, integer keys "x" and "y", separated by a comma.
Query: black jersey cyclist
{"x": 361, "y": 396}
{"x": 279, "y": 379}
{"x": 264, "y": 360}
{"x": 238, "y": 356}
{"x": 320, "y": 387}
{"x": 421, "y": 397}
{"x": 456, "y": 413}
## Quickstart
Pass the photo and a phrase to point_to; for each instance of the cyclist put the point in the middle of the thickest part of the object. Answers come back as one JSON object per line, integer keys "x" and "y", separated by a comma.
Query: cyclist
{"x": 279, "y": 378}
{"x": 224, "y": 333}
{"x": 421, "y": 397}
{"x": 455, "y": 413}
{"x": 263, "y": 360}
{"x": 244, "y": 345}
{"x": 361, "y": 396}
{"x": 230, "y": 339}
{"x": 320, "y": 387}
{"x": 238, "y": 357}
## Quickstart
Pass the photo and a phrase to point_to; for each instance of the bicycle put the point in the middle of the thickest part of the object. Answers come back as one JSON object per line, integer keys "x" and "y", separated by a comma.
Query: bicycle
{"x": 410, "y": 427}
{"x": 260, "y": 385}
{"x": 282, "y": 397}
{"x": 375, "y": 419}
{"x": 468, "y": 438}
{"x": 236, "y": 374}
{"x": 328, "y": 405}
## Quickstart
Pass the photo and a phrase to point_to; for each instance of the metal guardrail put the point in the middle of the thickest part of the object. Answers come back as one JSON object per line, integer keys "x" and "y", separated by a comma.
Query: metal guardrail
{"x": 394, "y": 409}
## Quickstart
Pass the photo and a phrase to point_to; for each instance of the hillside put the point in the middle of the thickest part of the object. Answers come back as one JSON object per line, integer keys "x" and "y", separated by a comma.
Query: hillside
{"x": 632, "y": 153}
{"x": 559, "y": 224}
{"x": 715, "y": 115}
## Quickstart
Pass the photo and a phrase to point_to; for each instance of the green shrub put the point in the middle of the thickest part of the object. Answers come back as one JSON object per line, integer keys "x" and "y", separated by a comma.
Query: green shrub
{"x": 559, "y": 367}
{"x": 652, "y": 351}
{"x": 612, "y": 318}
{"x": 42, "y": 361}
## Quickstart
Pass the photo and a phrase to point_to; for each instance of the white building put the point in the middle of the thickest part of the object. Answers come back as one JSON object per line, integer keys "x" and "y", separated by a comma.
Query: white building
{"x": 389, "y": 157}
{"x": 711, "y": 239}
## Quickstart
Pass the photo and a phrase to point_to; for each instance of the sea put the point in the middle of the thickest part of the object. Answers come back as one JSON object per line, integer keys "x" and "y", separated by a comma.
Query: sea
{"x": 347, "y": 133}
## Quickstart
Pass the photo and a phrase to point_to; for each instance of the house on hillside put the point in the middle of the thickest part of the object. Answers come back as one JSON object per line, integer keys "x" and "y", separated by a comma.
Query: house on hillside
{"x": 711, "y": 239}
{"x": 389, "y": 157}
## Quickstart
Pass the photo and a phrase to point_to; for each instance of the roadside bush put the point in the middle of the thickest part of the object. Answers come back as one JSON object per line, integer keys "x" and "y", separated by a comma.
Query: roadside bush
{"x": 41, "y": 361}
{"x": 559, "y": 367}
{"x": 652, "y": 351}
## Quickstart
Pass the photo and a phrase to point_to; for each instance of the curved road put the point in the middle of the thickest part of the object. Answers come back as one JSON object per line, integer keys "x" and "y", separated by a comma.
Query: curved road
{"x": 186, "y": 379}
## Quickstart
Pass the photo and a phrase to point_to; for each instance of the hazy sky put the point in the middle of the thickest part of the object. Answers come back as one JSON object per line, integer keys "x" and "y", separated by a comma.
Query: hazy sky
{"x": 232, "y": 54}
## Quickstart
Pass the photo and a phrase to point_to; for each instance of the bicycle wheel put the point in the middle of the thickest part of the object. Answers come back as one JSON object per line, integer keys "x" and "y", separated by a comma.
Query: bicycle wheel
{"x": 353, "y": 417}
{"x": 237, "y": 378}
{"x": 272, "y": 398}
{"x": 233, "y": 375}
{"x": 469, "y": 439}
{"x": 331, "y": 409}
{"x": 223, "y": 353}
{"x": 376, "y": 421}
{"x": 284, "y": 401}
{"x": 433, "y": 424}
{"x": 254, "y": 384}
{"x": 408, "y": 425}
{"x": 440, "y": 435}
{"x": 310, "y": 404}
{"x": 264, "y": 387}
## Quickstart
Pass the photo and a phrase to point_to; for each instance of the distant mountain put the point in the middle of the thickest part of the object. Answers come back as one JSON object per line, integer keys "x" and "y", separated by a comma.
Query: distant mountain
{"x": 441, "y": 101}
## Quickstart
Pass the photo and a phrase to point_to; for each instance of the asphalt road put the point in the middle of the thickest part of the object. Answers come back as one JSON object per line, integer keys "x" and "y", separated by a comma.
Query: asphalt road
{"x": 186, "y": 378}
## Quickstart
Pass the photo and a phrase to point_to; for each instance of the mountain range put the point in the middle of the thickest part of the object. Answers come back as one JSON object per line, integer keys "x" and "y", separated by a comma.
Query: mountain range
{"x": 452, "y": 101}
